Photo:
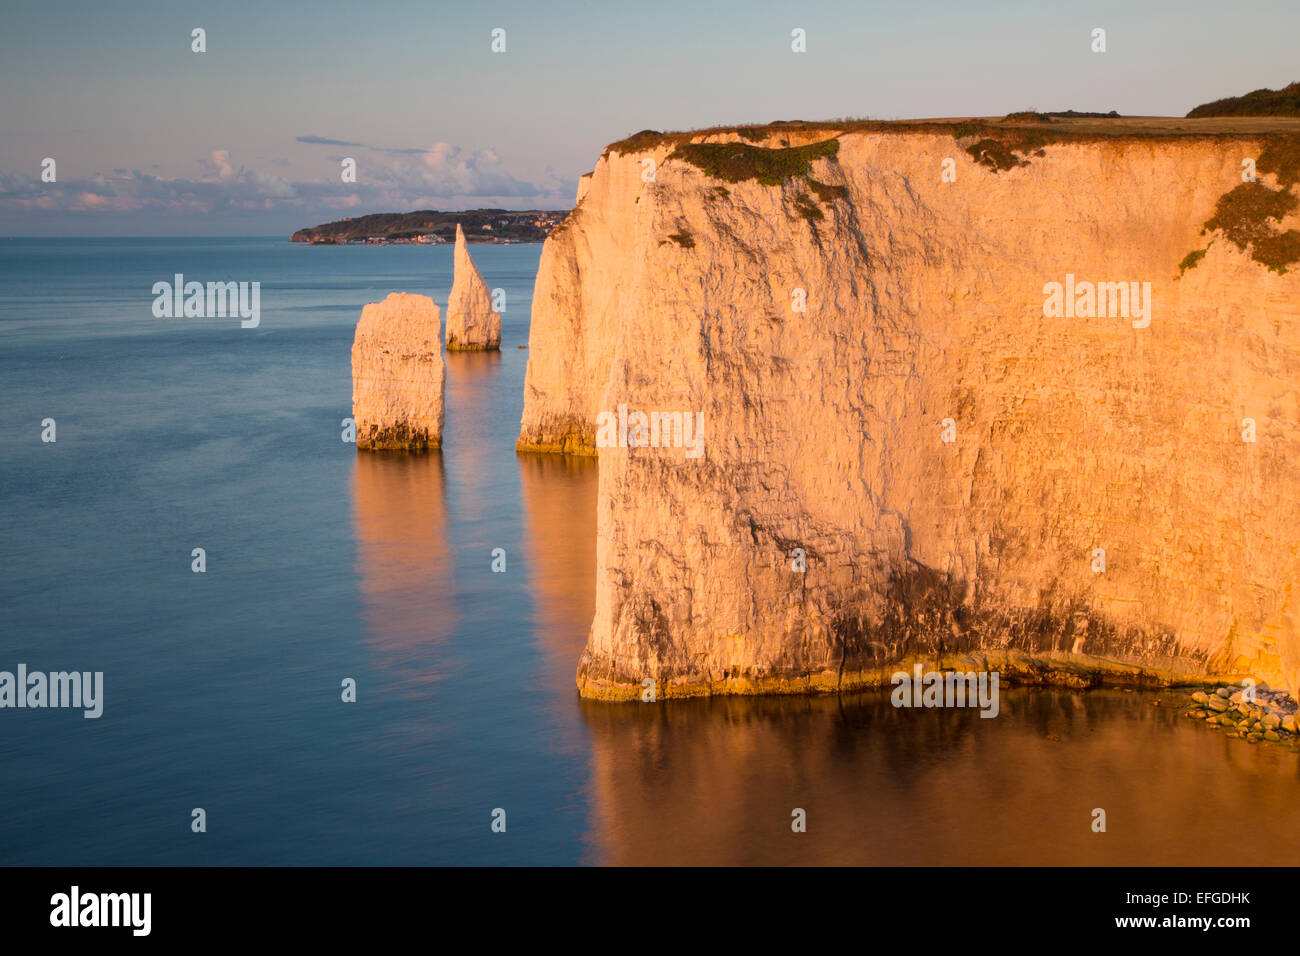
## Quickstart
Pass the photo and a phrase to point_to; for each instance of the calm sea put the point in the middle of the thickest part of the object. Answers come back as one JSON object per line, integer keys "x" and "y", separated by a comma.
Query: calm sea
{"x": 222, "y": 689}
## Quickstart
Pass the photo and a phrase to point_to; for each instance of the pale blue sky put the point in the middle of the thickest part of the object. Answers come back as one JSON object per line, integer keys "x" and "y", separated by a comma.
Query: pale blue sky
{"x": 153, "y": 139}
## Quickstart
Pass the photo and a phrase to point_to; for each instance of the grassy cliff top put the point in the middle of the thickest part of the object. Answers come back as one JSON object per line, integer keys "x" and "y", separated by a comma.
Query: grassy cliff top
{"x": 1051, "y": 128}
{"x": 1248, "y": 216}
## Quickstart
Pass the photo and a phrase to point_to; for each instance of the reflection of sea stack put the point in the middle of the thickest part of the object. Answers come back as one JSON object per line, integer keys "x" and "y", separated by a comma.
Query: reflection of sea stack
{"x": 397, "y": 374}
{"x": 404, "y": 564}
{"x": 472, "y": 324}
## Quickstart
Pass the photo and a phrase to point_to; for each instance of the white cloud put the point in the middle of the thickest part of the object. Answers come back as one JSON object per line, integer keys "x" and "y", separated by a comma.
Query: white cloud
{"x": 442, "y": 176}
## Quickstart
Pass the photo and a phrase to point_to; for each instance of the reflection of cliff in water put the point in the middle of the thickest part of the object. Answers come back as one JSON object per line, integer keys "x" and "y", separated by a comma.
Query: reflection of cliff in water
{"x": 559, "y": 495}
{"x": 714, "y": 782}
{"x": 404, "y": 563}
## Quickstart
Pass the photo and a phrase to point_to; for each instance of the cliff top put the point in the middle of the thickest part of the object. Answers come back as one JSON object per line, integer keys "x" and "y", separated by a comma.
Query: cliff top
{"x": 771, "y": 154}
{"x": 1050, "y": 127}
{"x": 780, "y": 152}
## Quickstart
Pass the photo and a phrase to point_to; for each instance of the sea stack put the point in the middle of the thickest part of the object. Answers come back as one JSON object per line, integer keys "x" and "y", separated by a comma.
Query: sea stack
{"x": 397, "y": 374}
{"x": 472, "y": 324}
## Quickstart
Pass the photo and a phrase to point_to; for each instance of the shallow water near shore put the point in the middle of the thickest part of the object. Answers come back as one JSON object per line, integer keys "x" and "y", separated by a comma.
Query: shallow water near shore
{"x": 222, "y": 689}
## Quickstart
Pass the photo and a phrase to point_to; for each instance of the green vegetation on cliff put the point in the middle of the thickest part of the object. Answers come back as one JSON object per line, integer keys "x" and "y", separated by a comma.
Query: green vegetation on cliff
{"x": 1263, "y": 102}
{"x": 1248, "y": 215}
{"x": 738, "y": 162}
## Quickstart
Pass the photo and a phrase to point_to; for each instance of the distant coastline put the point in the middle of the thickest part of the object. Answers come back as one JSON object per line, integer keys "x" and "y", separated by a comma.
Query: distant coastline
{"x": 430, "y": 227}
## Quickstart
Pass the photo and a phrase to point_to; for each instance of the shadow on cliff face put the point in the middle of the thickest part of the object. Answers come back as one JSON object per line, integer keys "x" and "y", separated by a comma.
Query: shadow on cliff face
{"x": 403, "y": 562}
{"x": 715, "y": 781}
{"x": 923, "y": 612}
{"x": 884, "y": 617}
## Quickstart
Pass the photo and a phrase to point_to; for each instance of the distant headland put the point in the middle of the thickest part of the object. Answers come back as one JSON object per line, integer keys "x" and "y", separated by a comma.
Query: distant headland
{"x": 430, "y": 227}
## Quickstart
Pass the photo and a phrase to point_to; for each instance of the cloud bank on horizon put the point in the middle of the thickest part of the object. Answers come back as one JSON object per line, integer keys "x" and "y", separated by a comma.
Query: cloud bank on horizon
{"x": 442, "y": 176}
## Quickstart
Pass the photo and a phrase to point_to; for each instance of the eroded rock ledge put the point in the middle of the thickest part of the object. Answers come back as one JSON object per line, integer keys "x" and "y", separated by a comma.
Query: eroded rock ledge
{"x": 838, "y": 312}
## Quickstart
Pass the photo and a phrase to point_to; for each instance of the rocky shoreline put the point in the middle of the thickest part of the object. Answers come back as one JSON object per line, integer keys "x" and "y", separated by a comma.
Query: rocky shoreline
{"x": 1270, "y": 715}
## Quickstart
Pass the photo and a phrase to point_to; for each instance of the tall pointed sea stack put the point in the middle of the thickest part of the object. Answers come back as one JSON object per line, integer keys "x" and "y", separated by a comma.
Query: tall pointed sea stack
{"x": 472, "y": 324}
{"x": 397, "y": 374}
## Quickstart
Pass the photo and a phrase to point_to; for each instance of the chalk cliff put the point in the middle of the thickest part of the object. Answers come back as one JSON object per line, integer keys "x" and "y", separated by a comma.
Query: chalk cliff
{"x": 397, "y": 374}
{"x": 472, "y": 323}
{"x": 908, "y": 452}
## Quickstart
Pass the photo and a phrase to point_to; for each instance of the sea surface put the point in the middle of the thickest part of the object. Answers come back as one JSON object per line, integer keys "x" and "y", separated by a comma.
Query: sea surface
{"x": 222, "y": 689}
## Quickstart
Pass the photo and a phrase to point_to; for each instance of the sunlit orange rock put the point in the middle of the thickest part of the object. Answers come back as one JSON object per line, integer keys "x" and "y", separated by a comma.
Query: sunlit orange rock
{"x": 397, "y": 374}
{"x": 890, "y": 401}
{"x": 472, "y": 323}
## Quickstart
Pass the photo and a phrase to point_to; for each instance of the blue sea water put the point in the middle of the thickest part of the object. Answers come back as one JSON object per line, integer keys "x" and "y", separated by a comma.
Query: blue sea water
{"x": 223, "y": 689}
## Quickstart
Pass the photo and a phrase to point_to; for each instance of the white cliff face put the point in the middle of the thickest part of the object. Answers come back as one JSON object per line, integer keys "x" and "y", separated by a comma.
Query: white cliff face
{"x": 397, "y": 374}
{"x": 1096, "y": 514}
{"x": 472, "y": 323}
{"x": 575, "y": 311}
